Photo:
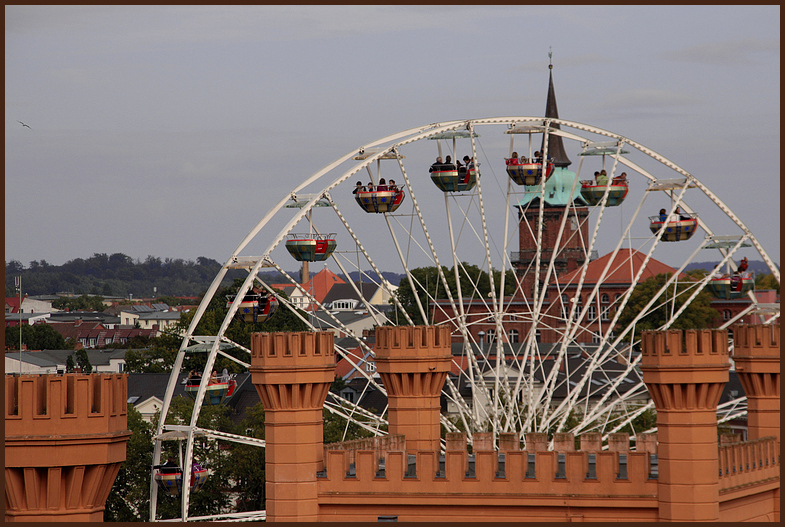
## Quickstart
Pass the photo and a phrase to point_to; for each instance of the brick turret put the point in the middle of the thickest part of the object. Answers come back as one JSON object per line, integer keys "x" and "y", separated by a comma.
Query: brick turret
{"x": 413, "y": 363}
{"x": 292, "y": 373}
{"x": 756, "y": 354}
{"x": 65, "y": 438}
{"x": 685, "y": 373}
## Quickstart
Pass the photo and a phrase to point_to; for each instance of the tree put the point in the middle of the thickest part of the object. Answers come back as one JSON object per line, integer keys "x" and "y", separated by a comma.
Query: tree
{"x": 83, "y": 361}
{"x": 767, "y": 281}
{"x": 129, "y": 497}
{"x": 697, "y": 315}
{"x": 247, "y": 463}
{"x": 36, "y": 337}
{"x": 69, "y": 363}
{"x": 82, "y": 303}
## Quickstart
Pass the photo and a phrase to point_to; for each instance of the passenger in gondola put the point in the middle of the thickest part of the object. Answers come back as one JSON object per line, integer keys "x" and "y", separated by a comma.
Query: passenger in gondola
{"x": 743, "y": 265}
{"x": 735, "y": 282}
{"x": 370, "y": 186}
{"x": 461, "y": 168}
{"x": 214, "y": 378}
{"x": 620, "y": 180}
{"x": 437, "y": 166}
{"x": 537, "y": 157}
{"x": 382, "y": 186}
{"x": 358, "y": 188}
{"x": 448, "y": 164}
{"x": 170, "y": 467}
{"x": 663, "y": 215}
{"x": 602, "y": 178}
{"x": 514, "y": 159}
{"x": 469, "y": 162}
{"x": 392, "y": 186}
{"x": 681, "y": 215}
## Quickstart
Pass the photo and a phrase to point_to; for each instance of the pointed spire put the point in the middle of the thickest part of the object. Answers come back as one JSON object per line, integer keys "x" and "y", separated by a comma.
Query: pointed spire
{"x": 555, "y": 144}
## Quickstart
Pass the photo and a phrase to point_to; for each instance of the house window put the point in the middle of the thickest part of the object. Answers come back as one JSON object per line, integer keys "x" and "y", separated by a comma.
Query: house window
{"x": 595, "y": 338}
{"x": 370, "y": 367}
{"x": 592, "y": 314}
{"x": 537, "y": 335}
{"x": 513, "y": 336}
{"x": 726, "y": 315}
{"x": 491, "y": 336}
{"x": 604, "y": 299}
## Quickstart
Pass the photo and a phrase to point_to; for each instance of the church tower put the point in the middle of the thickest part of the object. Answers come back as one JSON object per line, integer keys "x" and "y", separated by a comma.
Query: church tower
{"x": 559, "y": 195}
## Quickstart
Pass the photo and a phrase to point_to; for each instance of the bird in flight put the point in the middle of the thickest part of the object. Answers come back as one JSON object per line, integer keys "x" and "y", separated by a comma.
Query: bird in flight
{"x": 23, "y": 124}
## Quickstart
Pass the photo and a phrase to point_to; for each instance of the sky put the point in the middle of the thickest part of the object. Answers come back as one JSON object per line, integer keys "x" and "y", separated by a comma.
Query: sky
{"x": 170, "y": 130}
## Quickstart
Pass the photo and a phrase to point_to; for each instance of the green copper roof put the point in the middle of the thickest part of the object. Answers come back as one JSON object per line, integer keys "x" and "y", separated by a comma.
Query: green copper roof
{"x": 557, "y": 190}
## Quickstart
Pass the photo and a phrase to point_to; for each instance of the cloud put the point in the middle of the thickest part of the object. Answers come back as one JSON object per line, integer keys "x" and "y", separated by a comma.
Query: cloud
{"x": 728, "y": 53}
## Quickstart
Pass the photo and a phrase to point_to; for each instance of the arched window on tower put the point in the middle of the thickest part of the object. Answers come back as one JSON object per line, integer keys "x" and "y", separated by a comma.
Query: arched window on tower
{"x": 726, "y": 314}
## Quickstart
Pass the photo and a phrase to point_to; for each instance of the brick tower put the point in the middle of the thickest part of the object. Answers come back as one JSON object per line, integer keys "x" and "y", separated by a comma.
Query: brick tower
{"x": 65, "y": 438}
{"x": 756, "y": 353}
{"x": 570, "y": 250}
{"x": 757, "y": 356}
{"x": 292, "y": 373}
{"x": 413, "y": 362}
{"x": 685, "y": 373}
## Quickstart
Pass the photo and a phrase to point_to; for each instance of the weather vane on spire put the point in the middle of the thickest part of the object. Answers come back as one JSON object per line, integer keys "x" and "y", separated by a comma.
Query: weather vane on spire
{"x": 550, "y": 58}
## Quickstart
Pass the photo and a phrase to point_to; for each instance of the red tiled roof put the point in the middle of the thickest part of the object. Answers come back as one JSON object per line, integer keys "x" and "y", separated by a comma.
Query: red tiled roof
{"x": 623, "y": 269}
{"x": 319, "y": 284}
{"x": 12, "y": 302}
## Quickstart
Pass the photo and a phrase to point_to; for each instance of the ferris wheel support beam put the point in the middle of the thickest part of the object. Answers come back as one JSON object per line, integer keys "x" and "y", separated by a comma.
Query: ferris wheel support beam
{"x": 595, "y": 359}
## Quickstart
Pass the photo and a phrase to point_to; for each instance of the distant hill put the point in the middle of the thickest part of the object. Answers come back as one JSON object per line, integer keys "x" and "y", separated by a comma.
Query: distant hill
{"x": 120, "y": 275}
{"x": 754, "y": 265}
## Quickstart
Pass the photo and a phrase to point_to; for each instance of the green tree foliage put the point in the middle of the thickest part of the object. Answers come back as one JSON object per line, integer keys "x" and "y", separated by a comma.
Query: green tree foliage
{"x": 246, "y": 463}
{"x": 117, "y": 275}
{"x": 129, "y": 499}
{"x": 697, "y": 315}
{"x": 81, "y": 303}
{"x": 84, "y": 361}
{"x": 767, "y": 281}
{"x": 474, "y": 284}
{"x": 36, "y": 337}
{"x": 69, "y": 363}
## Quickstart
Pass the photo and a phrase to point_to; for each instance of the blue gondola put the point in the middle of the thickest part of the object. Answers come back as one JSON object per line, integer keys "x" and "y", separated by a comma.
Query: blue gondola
{"x": 527, "y": 173}
{"x": 728, "y": 287}
{"x": 311, "y": 247}
{"x": 217, "y": 392}
{"x": 451, "y": 180}
{"x": 254, "y": 307}
{"x": 592, "y": 193}
{"x": 170, "y": 479}
{"x": 677, "y": 228}
{"x": 379, "y": 200}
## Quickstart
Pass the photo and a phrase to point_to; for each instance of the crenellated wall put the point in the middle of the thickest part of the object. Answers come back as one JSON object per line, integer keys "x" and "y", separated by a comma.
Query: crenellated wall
{"x": 65, "y": 438}
{"x": 489, "y": 484}
{"x": 678, "y": 473}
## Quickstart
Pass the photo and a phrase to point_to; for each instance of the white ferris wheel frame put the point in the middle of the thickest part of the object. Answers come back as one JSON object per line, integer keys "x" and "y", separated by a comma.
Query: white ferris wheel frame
{"x": 501, "y": 418}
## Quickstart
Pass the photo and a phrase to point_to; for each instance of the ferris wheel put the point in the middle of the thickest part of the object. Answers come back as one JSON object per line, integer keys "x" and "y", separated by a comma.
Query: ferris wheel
{"x": 529, "y": 258}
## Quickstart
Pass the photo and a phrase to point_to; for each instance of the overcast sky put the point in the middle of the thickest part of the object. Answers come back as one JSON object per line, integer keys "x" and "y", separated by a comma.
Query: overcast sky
{"x": 169, "y": 131}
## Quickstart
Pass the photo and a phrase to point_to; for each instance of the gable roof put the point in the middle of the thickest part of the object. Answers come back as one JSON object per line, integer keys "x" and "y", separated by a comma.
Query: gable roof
{"x": 621, "y": 272}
